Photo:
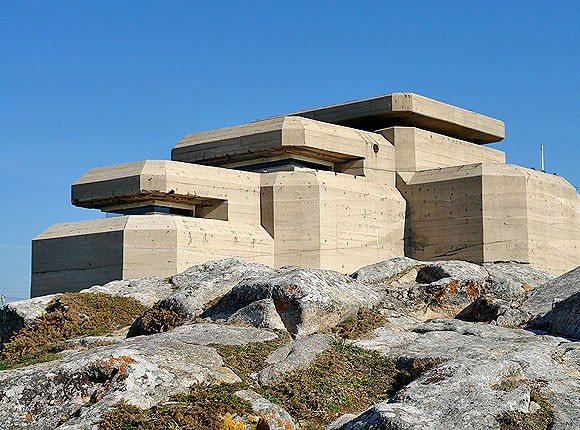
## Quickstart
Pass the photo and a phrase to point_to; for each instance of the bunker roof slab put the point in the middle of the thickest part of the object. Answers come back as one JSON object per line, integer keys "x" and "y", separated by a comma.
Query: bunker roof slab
{"x": 413, "y": 110}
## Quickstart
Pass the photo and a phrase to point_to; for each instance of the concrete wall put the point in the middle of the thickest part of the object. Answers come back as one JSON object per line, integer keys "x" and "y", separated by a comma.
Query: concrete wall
{"x": 73, "y": 256}
{"x": 493, "y": 212}
{"x": 333, "y": 221}
{"x": 444, "y": 213}
{"x": 417, "y": 149}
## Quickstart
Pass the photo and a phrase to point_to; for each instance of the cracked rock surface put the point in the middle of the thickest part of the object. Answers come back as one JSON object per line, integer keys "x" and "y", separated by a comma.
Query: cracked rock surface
{"x": 75, "y": 391}
{"x": 478, "y": 368}
{"x": 463, "y": 391}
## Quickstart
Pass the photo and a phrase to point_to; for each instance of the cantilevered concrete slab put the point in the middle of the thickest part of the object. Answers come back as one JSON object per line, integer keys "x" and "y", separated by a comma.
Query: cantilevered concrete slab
{"x": 315, "y": 143}
{"x": 412, "y": 110}
{"x": 214, "y": 193}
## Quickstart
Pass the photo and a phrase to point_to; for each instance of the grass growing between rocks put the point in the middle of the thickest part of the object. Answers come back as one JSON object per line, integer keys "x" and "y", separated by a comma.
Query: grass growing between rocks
{"x": 343, "y": 379}
{"x": 155, "y": 320}
{"x": 211, "y": 408}
{"x": 538, "y": 420}
{"x": 360, "y": 324}
{"x": 251, "y": 357}
{"x": 68, "y": 316}
{"x": 541, "y": 419}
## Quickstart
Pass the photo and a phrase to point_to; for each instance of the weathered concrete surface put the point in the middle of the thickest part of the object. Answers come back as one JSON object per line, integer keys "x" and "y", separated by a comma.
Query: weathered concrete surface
{"x": 408, "y": 109}
{"x": 463, "y": 392}
{"x": 417, "y": 149}
{"x": 345, "y": 221}
{"x": 490, "y": 212}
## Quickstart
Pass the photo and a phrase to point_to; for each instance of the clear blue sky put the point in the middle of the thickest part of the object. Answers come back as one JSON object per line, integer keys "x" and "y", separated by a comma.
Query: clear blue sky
{"x": 94, "y": 83}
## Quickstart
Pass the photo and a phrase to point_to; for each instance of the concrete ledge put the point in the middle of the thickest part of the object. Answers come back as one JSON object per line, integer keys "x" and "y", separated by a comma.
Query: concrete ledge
{"x": 412, "y": 110}
{"x": 286, "y": 138}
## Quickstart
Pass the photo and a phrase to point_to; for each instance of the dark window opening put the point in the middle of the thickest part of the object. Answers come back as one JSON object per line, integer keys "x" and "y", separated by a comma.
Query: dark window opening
{"x": 146, "y": 210}
{"x": 281, "y": 165}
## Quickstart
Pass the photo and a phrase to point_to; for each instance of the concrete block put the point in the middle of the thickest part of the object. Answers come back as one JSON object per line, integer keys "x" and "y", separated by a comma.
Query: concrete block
{"x": 73, "y": 256}
{"x": 329, "y": 146}
{"x": 491, "y": 212}
{"x": 417, "y": 149}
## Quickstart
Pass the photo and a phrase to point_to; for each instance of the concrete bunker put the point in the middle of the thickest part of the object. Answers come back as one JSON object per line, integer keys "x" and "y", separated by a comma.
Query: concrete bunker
{"x": 336, "y": 187}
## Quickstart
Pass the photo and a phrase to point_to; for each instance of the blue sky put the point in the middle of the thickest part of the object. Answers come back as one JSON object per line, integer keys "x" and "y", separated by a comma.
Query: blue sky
{"x": 85, "y": 84}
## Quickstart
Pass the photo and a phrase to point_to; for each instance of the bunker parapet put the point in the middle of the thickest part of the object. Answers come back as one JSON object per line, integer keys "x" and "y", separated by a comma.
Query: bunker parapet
{"x": 336, "y": 187}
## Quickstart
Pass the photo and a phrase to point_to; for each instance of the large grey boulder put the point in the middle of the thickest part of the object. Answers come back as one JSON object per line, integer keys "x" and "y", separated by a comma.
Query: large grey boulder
{"x": 204, "y": 283}
{"x": 307, "y": 300}
{"x": 261, "y": 314}
{"x": 387, "y": 271}
{"x": 16, "y": 315}
{"x": 510, "y": 281}
{"x": 76, "y": 391}
{"x": 464, "y": 391}
{"x": 555, "y": 306}
{"x": 147, "y": 291}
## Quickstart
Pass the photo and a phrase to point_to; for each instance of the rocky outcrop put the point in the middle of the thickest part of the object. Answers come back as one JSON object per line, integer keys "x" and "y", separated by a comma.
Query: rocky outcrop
{"x": 141, "y": 371}
{"x": 555, "y": 306}
{"x": 307, "y": 300}
{"x": 147, "y": 291}
{"x": 466, "y": 373}
{"x": 426, "y": 290}
{"x": 293, "y": 356}
{"x": 466, "y": 391}
{"x": 16, "y": 315}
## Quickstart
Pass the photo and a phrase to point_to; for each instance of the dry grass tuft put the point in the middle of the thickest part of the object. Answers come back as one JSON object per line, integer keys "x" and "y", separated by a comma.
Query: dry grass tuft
{"x": 343, "y": 379}
{"x": 249, "y": 358}
{"x": 361, "y": 324}
{"x": 155, "y": 320}
{"x": 211, "y": 408}
{"x": 68, "y": 316}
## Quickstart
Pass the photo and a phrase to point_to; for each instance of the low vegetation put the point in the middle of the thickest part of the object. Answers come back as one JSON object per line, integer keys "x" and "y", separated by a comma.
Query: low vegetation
{"x": 211, "y": 408}
{"x": 540, "y": 419}
{"x": 68, "y": 316}
{"x": 156, "y": 320}
{"x": 360, "y": 324}
{"x": 249, "y": 358}
{"x": 343, "y": 379}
